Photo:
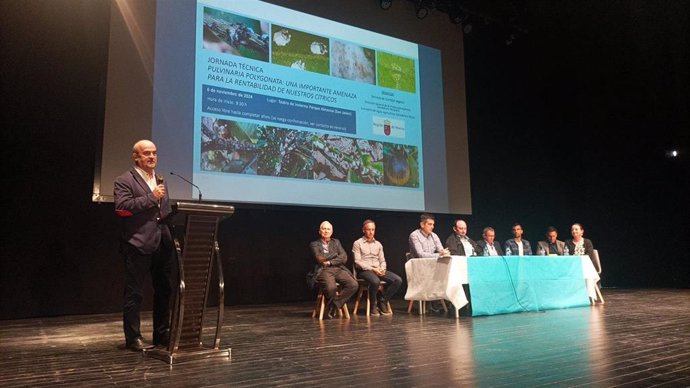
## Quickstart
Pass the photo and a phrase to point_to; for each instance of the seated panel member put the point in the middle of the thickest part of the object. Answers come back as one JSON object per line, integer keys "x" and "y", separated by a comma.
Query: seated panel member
{"x": 578, "y": 245}
{"x": 517, "y": 246}
{"x": 552, "y": 245}
{"x": 371, "y": 266}
{"x": 487, "y": 247}
{"x": 458, "y": 243}
{"x": 424, "y": 242}
{"x": 330, "y": 268}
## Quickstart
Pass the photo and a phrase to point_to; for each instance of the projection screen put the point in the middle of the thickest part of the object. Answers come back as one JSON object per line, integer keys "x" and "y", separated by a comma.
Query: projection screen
{"x": 258, "y": 103}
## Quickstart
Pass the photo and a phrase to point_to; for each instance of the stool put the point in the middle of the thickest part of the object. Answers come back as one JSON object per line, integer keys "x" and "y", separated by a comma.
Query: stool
{"x": 320, "y": 306}
{"x": 364, "y": 288}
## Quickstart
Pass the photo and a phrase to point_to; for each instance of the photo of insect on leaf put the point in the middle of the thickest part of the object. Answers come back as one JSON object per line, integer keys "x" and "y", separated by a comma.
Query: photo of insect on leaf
{"x": 400, "y": 165}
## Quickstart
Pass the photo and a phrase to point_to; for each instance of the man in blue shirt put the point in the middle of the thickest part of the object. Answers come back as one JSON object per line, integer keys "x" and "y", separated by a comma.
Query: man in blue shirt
{"x": 424, "y": 242}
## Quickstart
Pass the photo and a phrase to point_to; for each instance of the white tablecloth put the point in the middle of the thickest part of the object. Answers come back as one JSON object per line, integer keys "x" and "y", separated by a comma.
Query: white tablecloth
{"x": 442, "y": 278}
{"x": 591, "y": 276}
{"x": 434, "y": 279}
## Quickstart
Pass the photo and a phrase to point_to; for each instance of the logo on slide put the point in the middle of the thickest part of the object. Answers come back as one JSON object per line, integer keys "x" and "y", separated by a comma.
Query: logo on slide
{"x": 388, "y": 127}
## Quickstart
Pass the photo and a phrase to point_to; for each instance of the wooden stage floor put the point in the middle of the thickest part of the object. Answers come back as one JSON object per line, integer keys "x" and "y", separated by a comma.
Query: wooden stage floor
{"x": 638, "y": 338}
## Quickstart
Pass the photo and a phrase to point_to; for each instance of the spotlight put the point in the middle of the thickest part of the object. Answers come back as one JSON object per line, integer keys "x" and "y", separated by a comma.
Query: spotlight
{"x": 386, "y": 4}
{"x": 467, "y": 28}
{"x": 672, "y": 154}
{"x": 421, "y": 9}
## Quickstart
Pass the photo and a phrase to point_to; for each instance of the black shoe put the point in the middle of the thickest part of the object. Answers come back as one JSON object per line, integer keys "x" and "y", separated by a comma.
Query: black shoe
{"x": 383, "y": 306}
{"x": 137, "y": 345}
{"x": 332, "y": 312}
{"x": 374, "y": 311}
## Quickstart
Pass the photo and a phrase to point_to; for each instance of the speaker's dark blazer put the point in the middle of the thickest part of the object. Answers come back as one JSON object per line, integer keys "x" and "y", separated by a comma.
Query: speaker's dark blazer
{"x": 140, "y": 212}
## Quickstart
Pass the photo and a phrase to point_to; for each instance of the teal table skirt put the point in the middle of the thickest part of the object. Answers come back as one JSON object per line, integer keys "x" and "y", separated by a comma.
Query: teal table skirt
{"x": 509, "y": 284}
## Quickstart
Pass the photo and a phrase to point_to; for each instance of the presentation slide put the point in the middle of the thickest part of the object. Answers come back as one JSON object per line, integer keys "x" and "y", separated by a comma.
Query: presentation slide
{"x": 256, "y": 103}
{"x": 290, "y": 108}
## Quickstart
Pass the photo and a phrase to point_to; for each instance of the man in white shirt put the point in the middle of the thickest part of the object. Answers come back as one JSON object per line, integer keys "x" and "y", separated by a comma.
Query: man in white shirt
{"x": 487, "y": 247}
{"x": 370, "y": 263}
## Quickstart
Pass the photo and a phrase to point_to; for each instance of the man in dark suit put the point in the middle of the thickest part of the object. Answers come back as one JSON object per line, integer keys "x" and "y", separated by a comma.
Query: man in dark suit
{"x": 330, "y": 268}
{"x": 141, "y": 200}
{"x": 458, "y": 243}
{"x": 487, "y": 247}
{"x": 552, "y": 245}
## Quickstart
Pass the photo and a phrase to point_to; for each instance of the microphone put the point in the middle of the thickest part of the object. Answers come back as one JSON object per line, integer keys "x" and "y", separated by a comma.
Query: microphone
{"x": 159, "y": 181}
{"x": 186, "y": 180}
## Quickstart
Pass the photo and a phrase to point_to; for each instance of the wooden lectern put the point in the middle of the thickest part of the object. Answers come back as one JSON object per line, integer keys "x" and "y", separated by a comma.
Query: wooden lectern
{"x": 195, "y": 264}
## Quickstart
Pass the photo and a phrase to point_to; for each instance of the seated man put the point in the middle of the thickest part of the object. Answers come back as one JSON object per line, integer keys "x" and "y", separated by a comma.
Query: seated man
{"x": 424, "y": 242}
{"x": 458, "y": 243}
{"x": 371, "y": 266}
{"x": 330, "y": 268}
{"x": 552, "y": 245}
{"x": 487, "y": 247}
{"x": 517, "y": 246}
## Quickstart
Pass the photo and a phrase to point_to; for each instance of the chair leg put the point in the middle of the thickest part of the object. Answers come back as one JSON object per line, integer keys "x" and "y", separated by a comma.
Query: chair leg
{"x": 390, "y": 308}
{"x": 359, "y": 298}
{"x": 410, "y": 306}
{"x": 368, "y": 302}
{"x": 343, "y": 312}
{"x": 443, "y": 303}
{"x": 317, "y": 305}
{"x": 322, "y": 307}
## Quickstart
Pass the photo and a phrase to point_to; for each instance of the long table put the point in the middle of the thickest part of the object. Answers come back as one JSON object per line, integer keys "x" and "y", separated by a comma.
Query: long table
{"x": 504, "y": 284}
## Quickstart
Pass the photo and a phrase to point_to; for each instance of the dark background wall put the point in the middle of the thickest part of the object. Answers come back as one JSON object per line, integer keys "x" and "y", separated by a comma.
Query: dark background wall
{"x": 569, "y": 123}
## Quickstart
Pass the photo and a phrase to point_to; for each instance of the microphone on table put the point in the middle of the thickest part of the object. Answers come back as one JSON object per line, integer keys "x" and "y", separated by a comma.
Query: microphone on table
{"x": 188, "y": 181}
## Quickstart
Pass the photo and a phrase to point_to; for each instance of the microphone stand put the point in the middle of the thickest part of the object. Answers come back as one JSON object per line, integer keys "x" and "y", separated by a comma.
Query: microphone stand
{"x": 184, "y": 179}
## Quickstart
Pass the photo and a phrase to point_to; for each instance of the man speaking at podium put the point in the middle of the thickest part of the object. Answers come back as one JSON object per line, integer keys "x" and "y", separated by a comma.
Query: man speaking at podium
{"x": 141, "y": 200}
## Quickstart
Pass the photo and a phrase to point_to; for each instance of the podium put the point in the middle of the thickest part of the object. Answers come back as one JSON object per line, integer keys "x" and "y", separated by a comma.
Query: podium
{"x": 195, "y": 264}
